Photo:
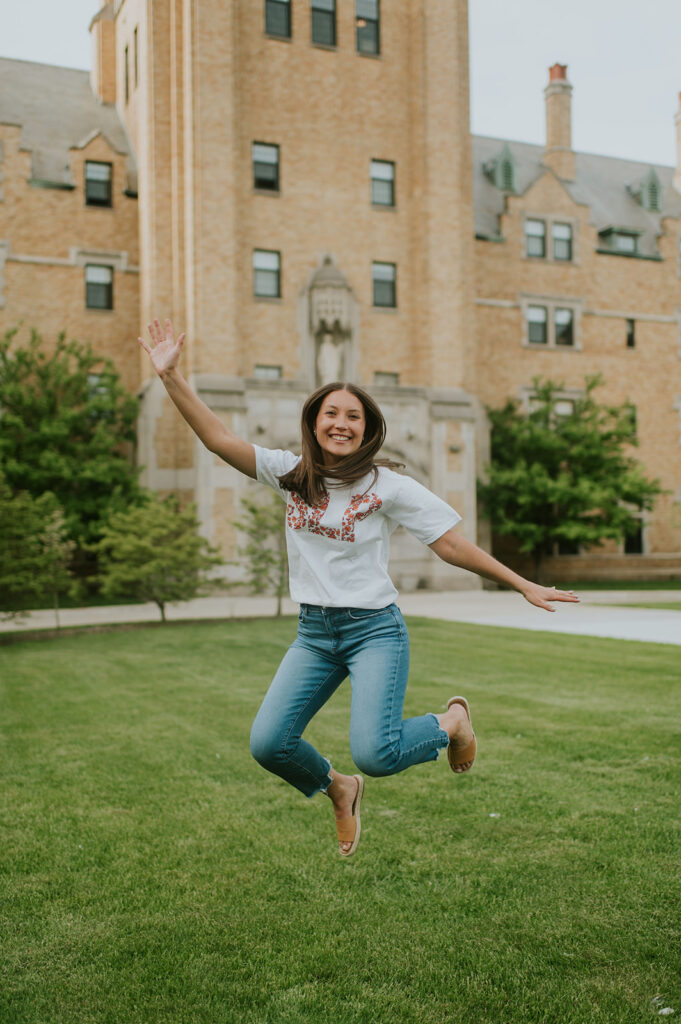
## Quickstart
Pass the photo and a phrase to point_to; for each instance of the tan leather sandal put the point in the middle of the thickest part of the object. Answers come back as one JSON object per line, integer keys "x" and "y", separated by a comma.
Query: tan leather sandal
{"x": 461, "y": 755}
{"x": 349, "y": 829}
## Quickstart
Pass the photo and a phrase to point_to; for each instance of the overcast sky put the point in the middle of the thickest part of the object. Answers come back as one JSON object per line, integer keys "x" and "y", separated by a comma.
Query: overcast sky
{"x": 623, "y": 57}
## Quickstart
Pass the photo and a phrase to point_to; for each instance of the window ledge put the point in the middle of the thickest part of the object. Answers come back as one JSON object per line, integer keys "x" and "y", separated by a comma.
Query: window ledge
{"x": 539, "y": 346}
{"x": 275, "y": 300}
{"x": 629, "y": 255}
{"x": 276, "y": 192}
{"x": 391, "y": 207}
{"x": 333, "y": 47}
{"x": 385, "y": 309}
{"x": 372, "y": 56}
{"x": 279, "y": 39}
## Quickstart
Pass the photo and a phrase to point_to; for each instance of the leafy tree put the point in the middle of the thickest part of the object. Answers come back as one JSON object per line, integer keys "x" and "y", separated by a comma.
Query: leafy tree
{"x": 263, "y": 552}
{"x": 153, "y": 552}
{"x": 34, "y": 553}
{"x": 567, "y": 478}
{"x": 65, "y": 420}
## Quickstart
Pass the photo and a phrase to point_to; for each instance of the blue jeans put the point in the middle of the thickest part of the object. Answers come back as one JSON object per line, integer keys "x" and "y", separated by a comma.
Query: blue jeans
{"x": 372, "y": 647}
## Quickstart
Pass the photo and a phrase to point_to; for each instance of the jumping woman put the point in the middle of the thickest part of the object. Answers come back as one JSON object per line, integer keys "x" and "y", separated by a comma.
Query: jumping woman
{"x": 342, "y": 504}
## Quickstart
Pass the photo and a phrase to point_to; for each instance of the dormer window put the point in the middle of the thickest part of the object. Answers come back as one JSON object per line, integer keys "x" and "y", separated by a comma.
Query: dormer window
{"x": 622, "y": 241}
{"x": 501, "y": 170}
{"x": 648, "y": 192}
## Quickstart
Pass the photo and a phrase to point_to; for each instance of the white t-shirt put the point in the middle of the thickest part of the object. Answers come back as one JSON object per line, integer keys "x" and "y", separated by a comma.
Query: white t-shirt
{"x": 338, "y": 551}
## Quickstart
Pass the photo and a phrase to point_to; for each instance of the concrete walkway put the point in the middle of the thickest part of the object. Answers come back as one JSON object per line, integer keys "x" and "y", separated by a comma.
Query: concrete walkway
{"x": 597, "y": 615}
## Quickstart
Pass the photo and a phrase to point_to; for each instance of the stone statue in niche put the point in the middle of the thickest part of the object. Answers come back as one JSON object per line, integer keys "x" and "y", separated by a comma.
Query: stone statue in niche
{"x": 330, "y": 362}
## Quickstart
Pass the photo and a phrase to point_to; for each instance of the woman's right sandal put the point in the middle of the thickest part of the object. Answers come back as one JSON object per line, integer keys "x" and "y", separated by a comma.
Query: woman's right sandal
{"x": 349, "y": 829}
{"x": 461, "y": 755}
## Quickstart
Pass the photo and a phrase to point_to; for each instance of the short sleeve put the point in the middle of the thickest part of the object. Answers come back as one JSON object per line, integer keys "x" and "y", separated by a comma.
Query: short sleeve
{"x": 420, "y": 511}
{"x": 271, "y": 463}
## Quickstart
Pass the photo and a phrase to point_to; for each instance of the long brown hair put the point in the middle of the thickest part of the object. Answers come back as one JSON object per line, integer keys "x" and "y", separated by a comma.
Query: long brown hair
{"x": 307, "y": 478}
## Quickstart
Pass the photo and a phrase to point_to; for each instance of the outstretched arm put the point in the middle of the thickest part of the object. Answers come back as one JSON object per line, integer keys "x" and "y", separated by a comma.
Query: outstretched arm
{"x": 456, "y": 550}
{"x": 164, "y": 353}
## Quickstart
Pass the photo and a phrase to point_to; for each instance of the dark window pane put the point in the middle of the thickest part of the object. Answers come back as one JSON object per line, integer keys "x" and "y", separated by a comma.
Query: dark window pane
{"x": 382, "y": 192}
{"x": 536, "y": 325}
{"x": 633, "y": 542}
{"x": 278, "y": 18}
{"x": 384, "y": 275}
{"x": 563, "y": 321}
{"x": 98, "y": 181}
{"x": 266, "y": 176}
{"x": 367, "y": 19}
{"x": 324, "y": 23}
{"x": 562, "y": 242}
{"x": 98, "y": 287}
{"x": 535, "y": 234}
{"x": 267, "y": 274}
{"x": 568, "y": 547}
{"x": 367, "y": 36}
{"x": 631, "y": 334}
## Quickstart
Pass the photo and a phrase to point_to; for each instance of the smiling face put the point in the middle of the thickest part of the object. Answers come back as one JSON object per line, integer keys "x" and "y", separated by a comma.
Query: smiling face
{"x": 339, "y": 426}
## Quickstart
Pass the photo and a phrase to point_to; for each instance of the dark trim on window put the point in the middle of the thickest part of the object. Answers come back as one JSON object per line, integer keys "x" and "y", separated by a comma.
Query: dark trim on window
{"x": 323, "y": 23}
{"x": 278, "y": 20}
{"x": 368, "y": 27}
{"x": 99, "y": 294}
{"x": 98, "y": 186}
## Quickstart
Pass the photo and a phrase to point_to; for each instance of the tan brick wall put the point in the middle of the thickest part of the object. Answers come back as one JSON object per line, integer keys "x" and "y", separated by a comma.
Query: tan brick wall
{"x": 649, "y": 375}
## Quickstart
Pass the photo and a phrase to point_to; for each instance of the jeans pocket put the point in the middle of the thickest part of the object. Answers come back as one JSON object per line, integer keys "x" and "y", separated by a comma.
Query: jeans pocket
{"x": 359, "y": 614}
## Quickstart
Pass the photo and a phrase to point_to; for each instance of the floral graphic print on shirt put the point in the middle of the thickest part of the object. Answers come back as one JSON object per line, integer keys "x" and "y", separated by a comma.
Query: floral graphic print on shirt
{"x": 301, "y": 516}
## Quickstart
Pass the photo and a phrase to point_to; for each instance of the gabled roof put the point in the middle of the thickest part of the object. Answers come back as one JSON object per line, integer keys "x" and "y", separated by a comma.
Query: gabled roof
{"x": 607, "y": 185}
{"x": 57, "y": 111}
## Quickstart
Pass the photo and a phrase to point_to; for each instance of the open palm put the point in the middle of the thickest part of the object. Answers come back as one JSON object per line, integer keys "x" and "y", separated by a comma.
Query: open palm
{"x": 164, "y": 351}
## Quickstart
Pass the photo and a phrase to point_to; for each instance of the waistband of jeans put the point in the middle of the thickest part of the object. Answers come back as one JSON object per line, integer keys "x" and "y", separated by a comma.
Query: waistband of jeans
{"x": 323, "y": 609}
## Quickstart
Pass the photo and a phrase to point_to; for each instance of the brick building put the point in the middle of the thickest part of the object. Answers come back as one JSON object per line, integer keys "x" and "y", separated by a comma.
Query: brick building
{"x": 311, "y": 207}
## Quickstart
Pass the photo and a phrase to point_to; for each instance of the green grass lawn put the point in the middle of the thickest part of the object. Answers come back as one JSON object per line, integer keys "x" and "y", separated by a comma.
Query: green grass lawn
{"x": 153, "y": 872}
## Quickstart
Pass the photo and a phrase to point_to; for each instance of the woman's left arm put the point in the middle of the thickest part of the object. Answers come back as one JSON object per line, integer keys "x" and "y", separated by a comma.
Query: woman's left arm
{"x": 456, "y": 550}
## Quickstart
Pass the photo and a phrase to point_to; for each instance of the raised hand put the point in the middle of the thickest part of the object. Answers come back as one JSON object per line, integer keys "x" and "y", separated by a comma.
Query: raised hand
{"x": 164, "y": 351}
{"x": 540, "y": 596}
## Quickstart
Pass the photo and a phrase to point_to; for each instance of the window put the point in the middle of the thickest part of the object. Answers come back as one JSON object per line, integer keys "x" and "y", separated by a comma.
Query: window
{"x": 535, "y": 237}
{"x": 265, "y": 166}
{"x": 625, "y": 243}
{"x": 98, "y": 286}
{"x": 367, "y": 20}
{"x": 382, "y": 183}
{"x": 633, "y": 541}
{"x": 126, "y": 56}
{"x": 135, "y": 56}
{"x": 564, "y": 407}
{"x": 278, "y": 18}
{"x": 568, "y": 547}
{"x": 631, "y": 334}
{"x": 563, "y": 320}
{"x": 537, "y": 333}
{"x": 384, "y": 275}
{"x": 550, "y": 322}
{"x": 266, "y": 372}
{"x": 562, "y": 241}
{"x": 266, "y": 274}
{"x": 392, "y": 379}
{"x": 98, "y": 183}
{"x": 619, "y": 241}
{"x": 324, "y": 22}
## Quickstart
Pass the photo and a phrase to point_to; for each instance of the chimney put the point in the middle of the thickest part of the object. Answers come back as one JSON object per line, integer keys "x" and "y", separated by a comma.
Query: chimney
{"x": 677, "y": 172}
{"x": 103, "y": 73}
{"x": 558, "y": 154}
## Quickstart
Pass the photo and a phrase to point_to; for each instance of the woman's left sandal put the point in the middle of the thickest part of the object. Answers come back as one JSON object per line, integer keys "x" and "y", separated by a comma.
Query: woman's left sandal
{"x": 349, "y": 829}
